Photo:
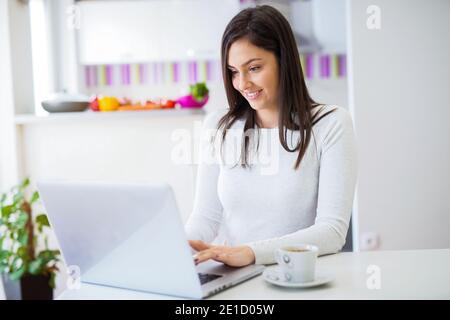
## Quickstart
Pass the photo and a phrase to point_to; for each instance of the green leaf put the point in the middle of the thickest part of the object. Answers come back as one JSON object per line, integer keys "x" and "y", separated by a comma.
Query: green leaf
{"x": 21, "y": 220}
{"x": 6, "y": 211}
{"x": 16, "y": 275}
{"x": 17, "y": 262}
{"x": 36, "y": 266}
{"x": 34, "y": 197}
{"x": 23, "y": 253}
{"x": 16, "y": 207}
{"x": 41, "y": 221}
{"x": 4, "y": 255}
{"x": 25, "y": 183}
{"x": 199, "y": 91}
{"x": 23, "y": 237}
{"x": 46, "y": 255}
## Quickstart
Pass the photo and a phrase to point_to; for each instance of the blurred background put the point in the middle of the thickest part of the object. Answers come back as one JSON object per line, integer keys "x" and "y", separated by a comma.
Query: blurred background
{"x": 131, "y": 63}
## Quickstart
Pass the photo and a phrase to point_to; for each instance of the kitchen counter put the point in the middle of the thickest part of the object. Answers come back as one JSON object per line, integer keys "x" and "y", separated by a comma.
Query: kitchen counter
{"x": 91, "y": 115}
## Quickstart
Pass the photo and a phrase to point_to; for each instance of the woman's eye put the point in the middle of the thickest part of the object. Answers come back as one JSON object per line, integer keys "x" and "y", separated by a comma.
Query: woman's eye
{"x": 251, "y": 69}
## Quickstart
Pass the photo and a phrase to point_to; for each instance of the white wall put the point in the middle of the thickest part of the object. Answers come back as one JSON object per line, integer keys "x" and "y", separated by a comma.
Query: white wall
{"x": 329, "y": 24}
{"x": 400, "y": 79}
{"x": 10, "y": 90}
{"x": 21, "y": 62}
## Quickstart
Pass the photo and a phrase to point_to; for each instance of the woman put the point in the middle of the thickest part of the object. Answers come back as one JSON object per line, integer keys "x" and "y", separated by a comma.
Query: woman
{"x": 303, "y": 191}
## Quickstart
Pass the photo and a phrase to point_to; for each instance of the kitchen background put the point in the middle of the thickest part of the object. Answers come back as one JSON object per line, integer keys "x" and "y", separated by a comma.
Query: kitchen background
{"x": 393, "y": 77}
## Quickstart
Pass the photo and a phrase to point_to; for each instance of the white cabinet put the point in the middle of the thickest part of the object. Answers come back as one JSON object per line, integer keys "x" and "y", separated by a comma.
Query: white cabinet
{"x": 140, "y": 31}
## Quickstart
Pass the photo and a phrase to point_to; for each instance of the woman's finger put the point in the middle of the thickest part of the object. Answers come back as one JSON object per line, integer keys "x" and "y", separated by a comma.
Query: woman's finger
{"x": 231, "y": 256}
{"x": 205, "y": 255}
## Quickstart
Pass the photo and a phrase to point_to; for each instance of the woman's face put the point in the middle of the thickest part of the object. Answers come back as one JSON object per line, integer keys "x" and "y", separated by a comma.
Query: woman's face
{"x": 254, "y": 74}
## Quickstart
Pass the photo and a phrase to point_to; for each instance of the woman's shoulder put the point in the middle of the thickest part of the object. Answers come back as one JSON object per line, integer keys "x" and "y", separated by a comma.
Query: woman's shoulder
{"x": 334, "y": 122}
{"x": 331, "y": 115}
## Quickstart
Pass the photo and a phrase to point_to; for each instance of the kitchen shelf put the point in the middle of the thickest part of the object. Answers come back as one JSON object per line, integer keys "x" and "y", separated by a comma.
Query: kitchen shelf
{"x": 91, "y": 115}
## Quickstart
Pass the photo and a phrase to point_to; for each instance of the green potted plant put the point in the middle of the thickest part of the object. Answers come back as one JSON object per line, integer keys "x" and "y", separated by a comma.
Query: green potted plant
{"x": 27, "y": 265}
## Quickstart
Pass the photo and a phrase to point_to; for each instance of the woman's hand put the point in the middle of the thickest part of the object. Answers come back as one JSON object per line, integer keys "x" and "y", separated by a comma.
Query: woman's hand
{"x": 232, "y": 256}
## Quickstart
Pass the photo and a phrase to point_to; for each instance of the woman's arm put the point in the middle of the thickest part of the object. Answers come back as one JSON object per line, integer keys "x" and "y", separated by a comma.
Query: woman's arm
{"x": 337, "y": 180}
{"x": 205, "y": 219}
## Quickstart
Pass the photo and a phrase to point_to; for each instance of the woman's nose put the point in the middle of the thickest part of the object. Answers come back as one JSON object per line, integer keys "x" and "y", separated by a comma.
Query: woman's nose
{"x": 243, "y": 82}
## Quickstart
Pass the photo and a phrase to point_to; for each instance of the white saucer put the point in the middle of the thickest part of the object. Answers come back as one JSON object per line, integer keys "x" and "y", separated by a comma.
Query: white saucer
{"x": 274, "y": 276}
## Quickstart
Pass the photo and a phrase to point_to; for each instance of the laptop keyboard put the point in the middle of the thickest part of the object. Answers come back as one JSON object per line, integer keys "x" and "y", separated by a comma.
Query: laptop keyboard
{"x": 207, "y": 277}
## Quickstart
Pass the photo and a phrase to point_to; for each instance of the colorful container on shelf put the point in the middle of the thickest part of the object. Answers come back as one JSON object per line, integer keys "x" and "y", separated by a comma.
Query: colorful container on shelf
{"x": 189, "y": 102}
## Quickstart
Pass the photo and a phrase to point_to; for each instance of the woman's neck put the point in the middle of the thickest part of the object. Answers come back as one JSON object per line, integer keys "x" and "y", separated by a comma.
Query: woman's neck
{"x": 267, "y": 118}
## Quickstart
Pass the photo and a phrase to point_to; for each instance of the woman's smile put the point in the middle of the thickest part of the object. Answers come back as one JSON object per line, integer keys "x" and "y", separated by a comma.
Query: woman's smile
{"x": 253, "y": 95}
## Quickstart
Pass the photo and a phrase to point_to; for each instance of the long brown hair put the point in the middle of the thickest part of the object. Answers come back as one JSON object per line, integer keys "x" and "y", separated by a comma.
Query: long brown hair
{"x": 266, "y": 28}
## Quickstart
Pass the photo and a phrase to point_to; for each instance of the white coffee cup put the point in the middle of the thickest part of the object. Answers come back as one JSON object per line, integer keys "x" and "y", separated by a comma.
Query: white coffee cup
{"x": 297, "y": 262}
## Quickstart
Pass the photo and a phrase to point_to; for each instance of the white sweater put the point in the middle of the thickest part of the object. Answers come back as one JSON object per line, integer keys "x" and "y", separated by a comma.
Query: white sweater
{"x": 271, "y": 204}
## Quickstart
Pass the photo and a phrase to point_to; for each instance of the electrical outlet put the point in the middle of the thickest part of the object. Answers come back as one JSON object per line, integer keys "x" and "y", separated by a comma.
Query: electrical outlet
{"x": 370, "y": 241}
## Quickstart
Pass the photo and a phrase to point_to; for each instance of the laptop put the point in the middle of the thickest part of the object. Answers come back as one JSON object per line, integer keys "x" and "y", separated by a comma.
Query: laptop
{"x": 131, "y": 236}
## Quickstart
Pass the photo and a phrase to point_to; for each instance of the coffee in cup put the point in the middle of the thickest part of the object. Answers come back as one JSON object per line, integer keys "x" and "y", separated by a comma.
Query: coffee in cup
{"x": 297, "y": 262}
{"x": 296, "y": 250}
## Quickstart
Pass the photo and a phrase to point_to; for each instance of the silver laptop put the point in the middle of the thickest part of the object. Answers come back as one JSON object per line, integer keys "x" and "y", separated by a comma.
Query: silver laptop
{"x": 131, "y": 236}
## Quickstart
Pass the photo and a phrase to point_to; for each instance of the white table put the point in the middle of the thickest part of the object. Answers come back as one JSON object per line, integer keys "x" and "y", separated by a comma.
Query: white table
{"x": 415, "y": 274}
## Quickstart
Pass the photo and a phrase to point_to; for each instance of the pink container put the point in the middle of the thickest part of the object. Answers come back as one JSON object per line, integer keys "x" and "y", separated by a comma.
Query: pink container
{"x": 189, "y": 102}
